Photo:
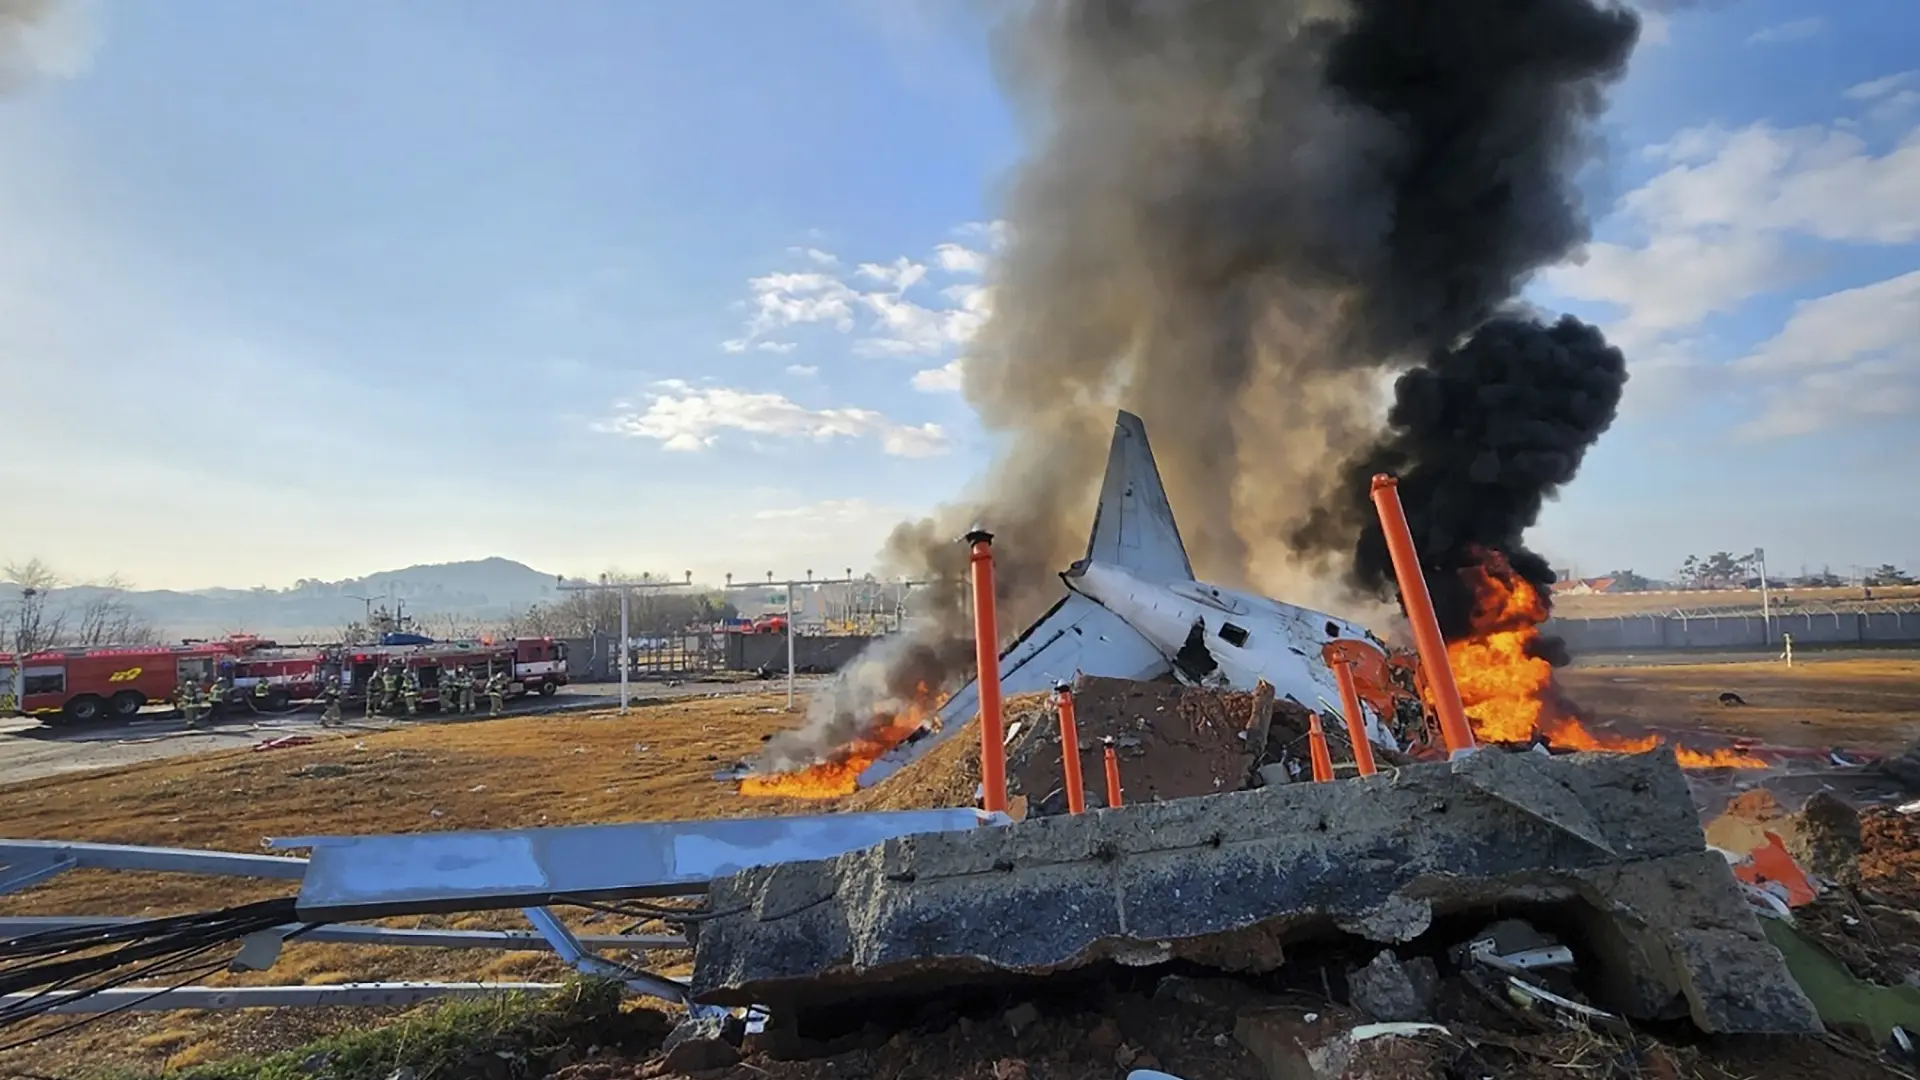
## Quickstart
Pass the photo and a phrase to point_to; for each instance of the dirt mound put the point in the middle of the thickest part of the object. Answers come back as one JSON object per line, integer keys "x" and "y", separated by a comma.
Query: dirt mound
{"x": 1889, "y": 859}
{"x": 1170, "y": 741}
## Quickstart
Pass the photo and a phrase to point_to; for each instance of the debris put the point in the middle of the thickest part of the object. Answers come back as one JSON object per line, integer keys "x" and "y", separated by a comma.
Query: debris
{"x": 1377, "y": 1031}
{"x": 1729, "y": 698}
{"x": 1021, "y": 1017}
{"x": 1388, "y": 990}
{"x": 1058, "y": 893}
{"x": 1771, "y": 869}
{"x": 282, "y": 742}
{"x": 701, "y": 1043}
{"x": 1567, "y": 1011}
{"x": 1826, "y": 838}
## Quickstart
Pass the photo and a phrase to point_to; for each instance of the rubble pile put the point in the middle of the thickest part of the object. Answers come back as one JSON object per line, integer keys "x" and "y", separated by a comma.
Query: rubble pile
{"x": 1171, "y": 742}
{"x": 1234, "y": 882}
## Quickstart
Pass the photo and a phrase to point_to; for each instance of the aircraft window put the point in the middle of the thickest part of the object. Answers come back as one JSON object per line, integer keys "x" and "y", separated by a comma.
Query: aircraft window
{"x": 1233, "y": 635}
{"x": 1333, "y": 628}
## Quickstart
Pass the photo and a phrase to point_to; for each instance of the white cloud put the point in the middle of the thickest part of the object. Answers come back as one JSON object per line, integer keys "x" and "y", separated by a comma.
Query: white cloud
{"x": 924, "y": 326}
{"x": 944, "y": 379}
{"x": 1819, "y": 181}
{"x": 899, "y": 275}
{"x": 804, "y": 371}
{"x": 995, "y": 233}
{"x": 776, "y": 346}
{"x": 1730, "y": 218}
{"x": 1880, "y": 87}
{"x": 823, "y": 258}
{"x": 1849, "y": 355}
{"x": 956, "y": 259}
{"x": 1675, "y": 279}
{"x": 1797, "y": 30}
{"x": 686, "y": 418}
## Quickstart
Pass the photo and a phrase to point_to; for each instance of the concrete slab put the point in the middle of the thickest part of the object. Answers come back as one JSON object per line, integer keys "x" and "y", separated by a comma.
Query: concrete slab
{"x": 1231, "y": 880}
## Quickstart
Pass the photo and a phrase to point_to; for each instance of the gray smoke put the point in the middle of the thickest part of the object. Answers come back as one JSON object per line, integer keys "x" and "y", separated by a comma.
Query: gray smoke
{"x": 35, "y": 40}
{"x": 1240, "y": 219}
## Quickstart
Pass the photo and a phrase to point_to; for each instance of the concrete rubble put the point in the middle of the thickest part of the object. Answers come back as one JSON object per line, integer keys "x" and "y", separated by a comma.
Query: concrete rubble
{"x": 1609, "y": 844}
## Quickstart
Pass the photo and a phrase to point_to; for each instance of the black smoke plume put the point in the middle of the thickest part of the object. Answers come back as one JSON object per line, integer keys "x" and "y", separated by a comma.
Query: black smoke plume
{"x": 1238, "y": 219}
{"x": 1480, "y": 437}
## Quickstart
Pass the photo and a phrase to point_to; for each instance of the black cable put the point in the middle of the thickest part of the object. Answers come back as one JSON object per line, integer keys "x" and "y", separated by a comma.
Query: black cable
{"x": 84, "y": 1021}
{"x": 146, "y": 948}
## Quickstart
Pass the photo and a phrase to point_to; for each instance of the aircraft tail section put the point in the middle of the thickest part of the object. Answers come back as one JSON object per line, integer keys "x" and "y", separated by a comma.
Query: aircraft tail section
{"x": 1134, "y": 526}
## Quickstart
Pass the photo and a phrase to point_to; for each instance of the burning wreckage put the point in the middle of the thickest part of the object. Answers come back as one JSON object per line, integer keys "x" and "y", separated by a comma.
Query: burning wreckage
{"x": 1233, "y": 867}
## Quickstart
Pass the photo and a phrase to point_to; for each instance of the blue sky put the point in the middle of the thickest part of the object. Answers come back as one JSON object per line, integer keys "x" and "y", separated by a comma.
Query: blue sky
{"x": 286, "y": 293}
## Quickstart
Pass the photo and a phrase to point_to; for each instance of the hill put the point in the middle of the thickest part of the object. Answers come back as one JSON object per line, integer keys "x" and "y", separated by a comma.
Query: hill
{"x": 475, "y": 590}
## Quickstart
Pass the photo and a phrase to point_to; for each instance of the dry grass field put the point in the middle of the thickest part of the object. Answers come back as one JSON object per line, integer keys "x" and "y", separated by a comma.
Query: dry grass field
{"x": 1611, "y": 605}
{"x": 656, "y": 763}
{"x": 1869, "y": 704}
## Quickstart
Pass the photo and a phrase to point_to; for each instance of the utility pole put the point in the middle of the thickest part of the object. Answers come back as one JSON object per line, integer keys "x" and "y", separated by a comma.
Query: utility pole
{"x": 1766, "y": 596}
{"x": 625, "y": 589}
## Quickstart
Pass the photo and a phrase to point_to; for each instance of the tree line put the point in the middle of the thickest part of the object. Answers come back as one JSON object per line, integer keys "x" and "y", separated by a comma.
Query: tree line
{"x": 1725, "y": 570}
{"x": 49, "y": 613}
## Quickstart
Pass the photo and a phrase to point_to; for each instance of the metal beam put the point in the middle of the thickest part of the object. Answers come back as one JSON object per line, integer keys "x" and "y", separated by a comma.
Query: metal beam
{"x": 358, "y": 877}
{"x": 576, "y": 956}
{"x": 159, "y": 999}
{"x": 157, "y": 860}
{"x": 12, "y": 926}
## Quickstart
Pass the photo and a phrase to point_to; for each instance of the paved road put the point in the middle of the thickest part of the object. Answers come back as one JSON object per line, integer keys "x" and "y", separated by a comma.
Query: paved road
{"x": 29, "y": 749}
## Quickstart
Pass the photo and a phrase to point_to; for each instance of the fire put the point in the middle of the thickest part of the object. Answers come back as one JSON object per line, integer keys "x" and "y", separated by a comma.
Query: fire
{"x": 1507, "y": 688}
{"x": 840, "y": 774}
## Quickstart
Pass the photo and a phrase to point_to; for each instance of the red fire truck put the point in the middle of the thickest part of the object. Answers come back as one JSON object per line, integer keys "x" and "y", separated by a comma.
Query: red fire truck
{"x": 83, "y": 685}
{"x": 89, "y": 684}
{"x": 532, "y": 665}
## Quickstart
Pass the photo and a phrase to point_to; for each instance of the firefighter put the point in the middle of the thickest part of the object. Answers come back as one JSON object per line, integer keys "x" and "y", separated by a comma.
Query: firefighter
{"x": 262, "y": 690}
{"x": 451, "y": 689}
{"x": 331, "y": 695}
{"x": 467, "y": 683}
{"x": 188, "y": 700}
{"x": 390, "y": 688}
{"x": 496, "y": 693}
{"x": 217, "y": 696}
{"x": 410, "y": 690}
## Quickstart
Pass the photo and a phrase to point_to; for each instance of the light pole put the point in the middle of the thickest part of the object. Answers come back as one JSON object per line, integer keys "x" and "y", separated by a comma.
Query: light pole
{"x": 625, "y": 589}
{"x": 1766, "y": 597}
{"x": 811, "y": 582}
{"x": 789, "y": 584}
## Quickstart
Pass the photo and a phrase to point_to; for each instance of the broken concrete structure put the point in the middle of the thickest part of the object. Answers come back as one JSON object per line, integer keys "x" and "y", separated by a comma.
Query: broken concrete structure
{"x": 1608, "y": 843}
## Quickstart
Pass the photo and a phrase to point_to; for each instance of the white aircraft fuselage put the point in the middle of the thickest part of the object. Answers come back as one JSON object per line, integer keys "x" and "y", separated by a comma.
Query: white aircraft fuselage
{"x": 1134, "y": 610}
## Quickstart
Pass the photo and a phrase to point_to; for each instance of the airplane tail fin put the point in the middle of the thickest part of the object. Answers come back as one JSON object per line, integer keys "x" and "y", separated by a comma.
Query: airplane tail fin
{"x": 1134, "y": 527}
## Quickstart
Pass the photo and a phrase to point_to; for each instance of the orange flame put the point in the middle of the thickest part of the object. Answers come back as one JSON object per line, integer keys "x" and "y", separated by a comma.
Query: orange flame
{"x": 840, "y": 773}
{"x": 1508, "y": 691}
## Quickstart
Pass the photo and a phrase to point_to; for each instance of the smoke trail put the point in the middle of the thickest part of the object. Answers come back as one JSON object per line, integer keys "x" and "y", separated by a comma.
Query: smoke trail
{"x": 1238, "y": 219}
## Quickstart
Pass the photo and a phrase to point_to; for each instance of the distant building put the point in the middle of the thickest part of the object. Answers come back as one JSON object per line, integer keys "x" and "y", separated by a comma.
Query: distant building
{"x": 1584, "y": 586}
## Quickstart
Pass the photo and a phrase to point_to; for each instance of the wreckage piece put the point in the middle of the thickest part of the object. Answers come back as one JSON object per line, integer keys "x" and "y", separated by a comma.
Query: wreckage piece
{"x": 1133, "y": 610}
{"x": 1611, "y": 841}
{"x": 365, "y": 877}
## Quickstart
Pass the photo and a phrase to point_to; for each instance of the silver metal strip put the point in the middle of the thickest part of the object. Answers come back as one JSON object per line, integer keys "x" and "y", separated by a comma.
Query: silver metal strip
{"x": 357, "y": 877}
{"x": 153, "y": 859}
{"x": 159, "y": 999}
{"x": 12, "y": 926}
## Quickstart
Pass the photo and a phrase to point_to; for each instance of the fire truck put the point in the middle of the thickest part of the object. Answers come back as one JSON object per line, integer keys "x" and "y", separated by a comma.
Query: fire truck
{"x": 532, "y": 665}
{"x": 83, "y": 685}
{"x": 90, "y": 684}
